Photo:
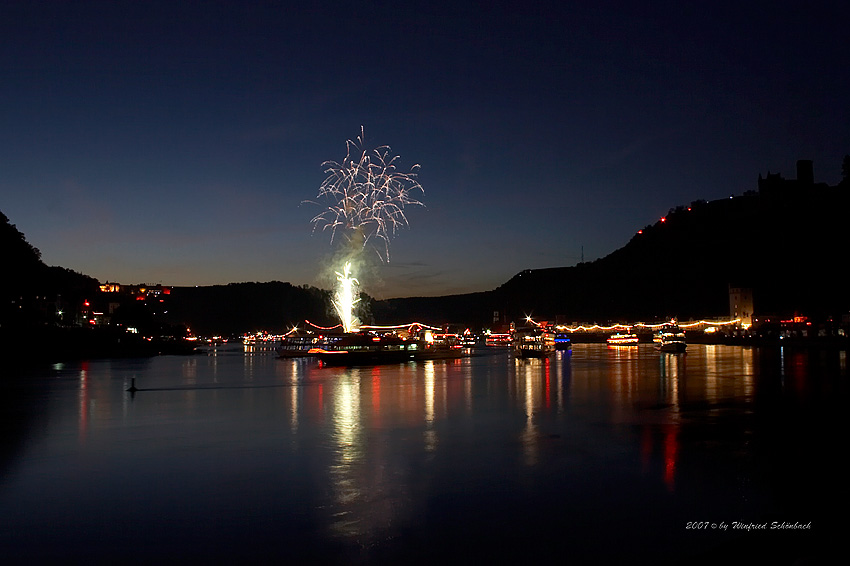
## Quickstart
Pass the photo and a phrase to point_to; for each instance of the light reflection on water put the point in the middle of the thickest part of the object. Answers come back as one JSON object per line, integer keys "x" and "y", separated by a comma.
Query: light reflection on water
{"x": 430, "y": 435}
{"x": 283, "y": 452}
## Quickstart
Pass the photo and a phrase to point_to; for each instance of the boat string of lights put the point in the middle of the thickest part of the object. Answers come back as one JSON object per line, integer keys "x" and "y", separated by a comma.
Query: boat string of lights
{"x": 622, "y": 326}
{"x": 560, "y": 327}
{"x": 597, "y": 327}
{"x": 374, "y": 327}
{"x": 400, "y": 326}
{"x": 334, "y": 327}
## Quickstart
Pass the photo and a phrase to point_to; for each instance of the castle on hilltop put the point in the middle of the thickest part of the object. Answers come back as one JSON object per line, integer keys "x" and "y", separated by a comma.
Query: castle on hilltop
{"x": 776, "y": 188}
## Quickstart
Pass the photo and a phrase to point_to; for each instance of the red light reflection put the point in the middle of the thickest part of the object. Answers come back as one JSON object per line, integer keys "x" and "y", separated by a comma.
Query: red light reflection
{"x": 671, "y": 456}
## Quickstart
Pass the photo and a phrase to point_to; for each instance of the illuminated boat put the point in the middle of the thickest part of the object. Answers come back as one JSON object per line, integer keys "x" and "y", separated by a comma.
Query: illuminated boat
{"x": 563, "y": 341}
{"x": 439, "y": 346}
{"x": 363, "y": 348}
{"x": 672, "y": 340}
{"x": 534, "y": 342}
{"x": 497, "y": 340}
{"x": 298, "y": 345}
{"x": 620, "y": 339}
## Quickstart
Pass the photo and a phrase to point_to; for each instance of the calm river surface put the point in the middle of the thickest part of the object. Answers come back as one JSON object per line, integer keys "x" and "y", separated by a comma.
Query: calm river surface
{"x": 598, "y": 455}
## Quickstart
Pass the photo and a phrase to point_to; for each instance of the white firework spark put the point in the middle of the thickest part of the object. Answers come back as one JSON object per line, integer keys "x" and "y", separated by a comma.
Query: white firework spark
{"x": 366, "y": 193}
{"x": 347, "y": 295}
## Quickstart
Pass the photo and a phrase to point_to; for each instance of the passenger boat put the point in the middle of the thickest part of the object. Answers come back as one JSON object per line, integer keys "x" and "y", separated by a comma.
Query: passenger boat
{"x": 620, "y": 339}
{"x": 298, "y": 345}
{"x": 671, "y": 340}
{"x": 363, "y": 348}
{"x": 534, "y": 342}
{"x": 439, "y": 346}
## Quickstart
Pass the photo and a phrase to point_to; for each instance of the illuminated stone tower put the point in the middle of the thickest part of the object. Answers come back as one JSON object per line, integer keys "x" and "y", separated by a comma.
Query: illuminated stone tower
{"x": 741, "y": 305}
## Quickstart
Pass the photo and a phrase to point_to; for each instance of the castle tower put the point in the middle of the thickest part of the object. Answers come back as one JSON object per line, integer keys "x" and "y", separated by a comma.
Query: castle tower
{"x": 805, "y": 172}
{"x": 741, "y": 304}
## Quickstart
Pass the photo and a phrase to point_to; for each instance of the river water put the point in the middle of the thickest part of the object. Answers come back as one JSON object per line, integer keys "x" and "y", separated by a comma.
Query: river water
{"x": 598, "y": 455}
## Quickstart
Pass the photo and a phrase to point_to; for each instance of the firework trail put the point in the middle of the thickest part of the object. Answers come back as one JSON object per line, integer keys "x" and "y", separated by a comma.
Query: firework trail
{"x": 365, "y": 195}
{"x": 347, "y": 295}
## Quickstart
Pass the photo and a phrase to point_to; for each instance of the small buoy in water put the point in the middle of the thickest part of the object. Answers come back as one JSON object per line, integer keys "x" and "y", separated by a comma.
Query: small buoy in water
{"x": 132, "y": 388}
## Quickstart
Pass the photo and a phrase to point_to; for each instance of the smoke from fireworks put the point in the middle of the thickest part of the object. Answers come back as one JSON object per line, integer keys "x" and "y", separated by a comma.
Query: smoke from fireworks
{"x": 366, "y": 194}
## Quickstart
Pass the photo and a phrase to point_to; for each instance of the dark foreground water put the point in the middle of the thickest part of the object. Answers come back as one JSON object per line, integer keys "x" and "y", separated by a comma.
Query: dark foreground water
{"x": 597, "y": 456}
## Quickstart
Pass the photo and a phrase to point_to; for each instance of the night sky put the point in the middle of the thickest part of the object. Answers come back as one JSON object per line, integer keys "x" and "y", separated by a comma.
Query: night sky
{"x": 174, "y": 142}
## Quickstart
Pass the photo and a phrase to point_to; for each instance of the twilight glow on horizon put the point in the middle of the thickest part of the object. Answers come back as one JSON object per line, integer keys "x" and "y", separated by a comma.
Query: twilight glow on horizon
{"x": 174, "y": 142}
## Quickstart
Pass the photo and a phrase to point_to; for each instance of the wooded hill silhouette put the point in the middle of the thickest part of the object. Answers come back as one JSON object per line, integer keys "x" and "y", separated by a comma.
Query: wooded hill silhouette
{"x": 31, "y": 293}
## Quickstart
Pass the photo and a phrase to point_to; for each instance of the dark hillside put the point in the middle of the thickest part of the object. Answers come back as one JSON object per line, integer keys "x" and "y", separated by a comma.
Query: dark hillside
{"x": 680, "y": 267}
{"x": 248, "y": 307}
{"x": 469, "y": 309}
{"x": 32, "y": 293}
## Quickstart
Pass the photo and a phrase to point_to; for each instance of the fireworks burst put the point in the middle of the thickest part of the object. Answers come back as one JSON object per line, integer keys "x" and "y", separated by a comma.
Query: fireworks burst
{"x": 366, "y": 194}
{"x": 347, "y": 295}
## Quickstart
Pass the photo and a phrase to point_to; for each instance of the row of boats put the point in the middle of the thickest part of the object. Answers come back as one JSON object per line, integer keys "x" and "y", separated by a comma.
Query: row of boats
{"x": 369, "y": 348}
{"x": 671, "y": 340}
{"x": 540, "y": 341}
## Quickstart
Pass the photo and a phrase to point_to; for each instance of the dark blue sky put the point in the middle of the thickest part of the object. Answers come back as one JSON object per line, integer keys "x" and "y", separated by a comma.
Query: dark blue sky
{"x": 174, "y": 142}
